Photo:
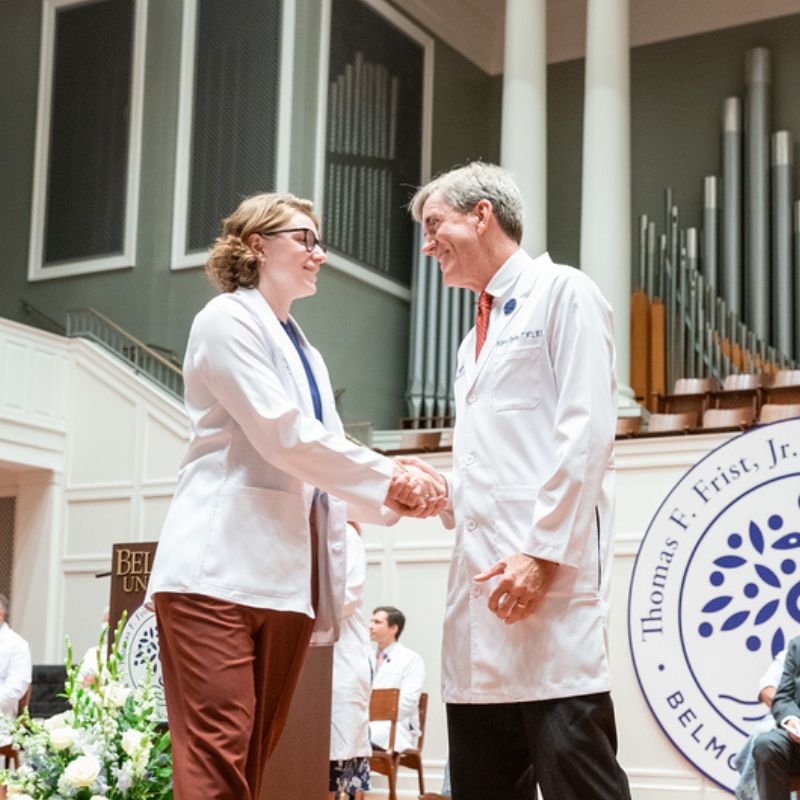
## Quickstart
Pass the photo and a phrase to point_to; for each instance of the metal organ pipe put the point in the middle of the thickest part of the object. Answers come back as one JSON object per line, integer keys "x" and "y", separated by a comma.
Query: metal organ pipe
{"x": 710, "y": 234}
{"x": 781, "y": 284}
{"x": 731, "y": 283}
{"x": 756, "y": 231}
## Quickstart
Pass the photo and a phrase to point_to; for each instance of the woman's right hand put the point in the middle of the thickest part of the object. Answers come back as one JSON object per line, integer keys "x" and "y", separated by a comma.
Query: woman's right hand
{"x": 415, "y": 492}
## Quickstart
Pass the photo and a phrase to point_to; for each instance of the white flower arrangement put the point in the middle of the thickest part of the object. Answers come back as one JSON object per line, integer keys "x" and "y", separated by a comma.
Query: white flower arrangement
{"x": 109, "y": 746}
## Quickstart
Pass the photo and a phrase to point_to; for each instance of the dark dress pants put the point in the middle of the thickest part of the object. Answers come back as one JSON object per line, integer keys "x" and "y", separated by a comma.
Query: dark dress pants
{"x": 566, "y": 746}
{"x": 776, "y": 757}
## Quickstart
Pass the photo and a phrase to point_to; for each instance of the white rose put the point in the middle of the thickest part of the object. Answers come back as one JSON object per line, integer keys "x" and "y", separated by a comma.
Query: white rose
{"x": 132, "y": 741}
{"x": 116, "y": 695}
{"x": 82, "y": 772}
{"x": 62, "y": 738}
{"x": 98, "y": 797}
{"x": 57, "y": 721}
{"x": 13, "y": 790}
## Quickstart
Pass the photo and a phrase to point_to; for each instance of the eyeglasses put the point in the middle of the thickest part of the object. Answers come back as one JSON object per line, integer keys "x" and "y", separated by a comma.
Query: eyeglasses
{"x": 310, "y": 239}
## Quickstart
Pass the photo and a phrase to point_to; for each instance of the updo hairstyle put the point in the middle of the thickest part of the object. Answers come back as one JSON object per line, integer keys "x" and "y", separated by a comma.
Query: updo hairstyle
{"x": 232, "y": 263}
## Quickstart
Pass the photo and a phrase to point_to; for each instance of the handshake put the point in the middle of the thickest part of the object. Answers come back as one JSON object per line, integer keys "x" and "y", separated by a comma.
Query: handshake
{"x": 416, "y": 490}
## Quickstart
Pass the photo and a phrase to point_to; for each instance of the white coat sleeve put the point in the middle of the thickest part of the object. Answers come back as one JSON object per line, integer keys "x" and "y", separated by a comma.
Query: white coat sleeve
{"x": 356, "y": 572}
{"x": 772, "y": 677}
{"x": 411, "y": 684}
{"x": 18, "y": 677}
{"x": 228, "y": 353}
{"x": 580, "y": 346}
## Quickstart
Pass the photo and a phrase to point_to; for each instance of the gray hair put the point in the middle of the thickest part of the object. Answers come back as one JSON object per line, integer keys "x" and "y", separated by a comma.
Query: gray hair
{"x": 463, "y": 188}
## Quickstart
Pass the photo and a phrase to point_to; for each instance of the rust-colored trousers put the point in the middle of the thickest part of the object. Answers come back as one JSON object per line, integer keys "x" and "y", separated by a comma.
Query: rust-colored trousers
{"x": 229, "y": 675}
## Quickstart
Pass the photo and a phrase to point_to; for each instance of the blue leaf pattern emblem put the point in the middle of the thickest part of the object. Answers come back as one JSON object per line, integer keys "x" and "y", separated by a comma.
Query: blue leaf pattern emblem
{"x": 728, "y": 562}
{"x": 735, "y": 620}
{"x": 768, "y": 576}
{"x": 788, "y": 542}
{"x": 766, "y": 612}
{"x": 717, "y": 604}
{"x": 756, "y": 537}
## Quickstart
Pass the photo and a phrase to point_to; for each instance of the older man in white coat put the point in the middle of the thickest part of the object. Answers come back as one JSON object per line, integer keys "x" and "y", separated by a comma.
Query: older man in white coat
{"x": 525, "y": 673}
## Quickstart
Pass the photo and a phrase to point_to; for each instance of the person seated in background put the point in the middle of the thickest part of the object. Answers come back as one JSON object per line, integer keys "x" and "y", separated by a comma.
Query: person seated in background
{"x": 746, "y": 787}
{"x": 395, "y": 666}
{"x": 352, "y": 683}
{"x": 777, "y": 752}
{"x": 15, "y": 667}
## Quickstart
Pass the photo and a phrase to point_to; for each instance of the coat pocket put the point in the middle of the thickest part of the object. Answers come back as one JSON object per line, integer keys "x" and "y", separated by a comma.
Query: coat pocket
{"x": 259, "y": 543}
{"x": 512, "y": 517}
{"x": 516, "y": 378}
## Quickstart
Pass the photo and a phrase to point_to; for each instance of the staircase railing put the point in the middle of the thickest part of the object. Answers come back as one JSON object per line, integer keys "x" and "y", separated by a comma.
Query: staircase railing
{"x": 90, "y": 324}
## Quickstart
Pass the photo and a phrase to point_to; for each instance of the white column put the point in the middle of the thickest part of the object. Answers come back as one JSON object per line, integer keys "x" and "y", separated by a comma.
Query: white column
{"x": 523, "y": 140}
{"x": 606, "y": 186}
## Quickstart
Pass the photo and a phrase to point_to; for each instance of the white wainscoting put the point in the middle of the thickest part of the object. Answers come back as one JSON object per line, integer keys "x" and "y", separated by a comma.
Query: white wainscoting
{"x": 91, "y": 451}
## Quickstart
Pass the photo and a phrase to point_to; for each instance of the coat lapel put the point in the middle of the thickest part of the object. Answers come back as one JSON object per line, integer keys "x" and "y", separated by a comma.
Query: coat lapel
{"x": 522, "y": 291}
{"x": 254, "y": 300}
{"x": 330, "y": 416}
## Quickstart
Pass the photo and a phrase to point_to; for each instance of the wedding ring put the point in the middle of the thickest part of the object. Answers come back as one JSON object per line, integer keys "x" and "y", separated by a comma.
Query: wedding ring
{"x": 521, "y": 605}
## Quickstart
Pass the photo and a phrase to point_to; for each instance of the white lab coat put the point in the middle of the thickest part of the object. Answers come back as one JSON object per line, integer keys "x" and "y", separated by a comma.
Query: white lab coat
{"x": 402, "y": 669}
{"x": 533, "y": 473}
{"x": 15, "y": 673}
{"x": 352, "y": 672}
{"x": 238, "y": 525}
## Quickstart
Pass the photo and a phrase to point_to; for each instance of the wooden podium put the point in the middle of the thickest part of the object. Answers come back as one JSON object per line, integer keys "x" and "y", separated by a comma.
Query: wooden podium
{"x": 298, "y": 769}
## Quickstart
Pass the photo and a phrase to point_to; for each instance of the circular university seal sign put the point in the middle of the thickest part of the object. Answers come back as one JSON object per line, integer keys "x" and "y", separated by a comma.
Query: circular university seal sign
{"x": 715, "y": 594}
{"x": 139, "y": 647}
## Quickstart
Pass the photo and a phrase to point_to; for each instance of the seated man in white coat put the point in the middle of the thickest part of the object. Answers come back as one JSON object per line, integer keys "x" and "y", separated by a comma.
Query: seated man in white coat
{"x": 395, "y": 667}
{"x": 15, "y": 667}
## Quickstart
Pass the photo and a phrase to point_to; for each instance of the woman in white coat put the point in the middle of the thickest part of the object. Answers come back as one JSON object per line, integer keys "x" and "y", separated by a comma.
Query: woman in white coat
{"x": 251, "y": 555}
{"x": 352, "y": 683}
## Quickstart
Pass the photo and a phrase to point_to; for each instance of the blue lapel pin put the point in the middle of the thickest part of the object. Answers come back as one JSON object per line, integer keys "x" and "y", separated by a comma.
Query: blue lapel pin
{"x": 509, "y": 306}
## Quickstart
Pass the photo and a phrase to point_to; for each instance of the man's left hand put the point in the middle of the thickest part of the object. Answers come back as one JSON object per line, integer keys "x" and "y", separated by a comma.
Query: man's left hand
{"x": 524, "y": 581}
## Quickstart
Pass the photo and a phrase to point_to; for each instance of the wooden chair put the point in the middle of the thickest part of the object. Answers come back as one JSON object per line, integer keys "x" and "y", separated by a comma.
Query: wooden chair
{"x": 786, "y": 377}
{"x": 628, "y": 426}
{"x": 695, "y": 403}
{"x": 672, "y": 423}
{"x": 383, "y": 707}
{"x": 420, "y": 440}
{"x": 772, "y": 412}
{"x": 783, "y": 393}
{"x": 412, "y": 757}
{"x": 744, "y": 380}
{"x": 728, "y": 417}
{"x": 736, "y": 398}
{"x": 695, "y": 385}
{"x": 9, "y": 755}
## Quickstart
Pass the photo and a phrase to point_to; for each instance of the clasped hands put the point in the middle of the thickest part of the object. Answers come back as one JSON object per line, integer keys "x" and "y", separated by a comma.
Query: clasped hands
{"x": 417, "y": 489}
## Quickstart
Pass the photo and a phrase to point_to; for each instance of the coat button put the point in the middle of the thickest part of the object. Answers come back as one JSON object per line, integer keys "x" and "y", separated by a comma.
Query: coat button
{"x": 475, "y": 590}
{"x": 472, "y": 397}
{"x": 471, "y": 524}
{"x": 337, "y": 548}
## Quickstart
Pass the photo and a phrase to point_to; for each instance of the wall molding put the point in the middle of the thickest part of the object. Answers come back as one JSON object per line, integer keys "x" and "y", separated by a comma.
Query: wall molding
{"x": 36, "y": 269}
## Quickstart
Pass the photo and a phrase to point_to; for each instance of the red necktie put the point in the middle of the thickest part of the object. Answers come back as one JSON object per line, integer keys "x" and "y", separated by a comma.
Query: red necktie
{"x": 482, "y": 321}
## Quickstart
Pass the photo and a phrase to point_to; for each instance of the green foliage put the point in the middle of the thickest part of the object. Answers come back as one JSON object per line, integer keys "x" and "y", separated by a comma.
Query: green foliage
{"x": 110, "y": 745}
